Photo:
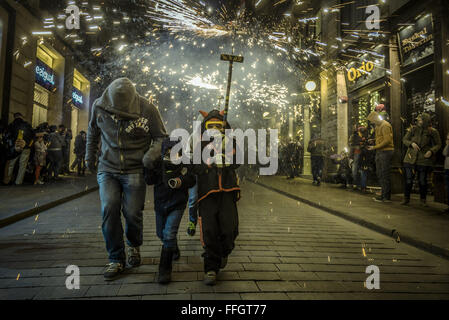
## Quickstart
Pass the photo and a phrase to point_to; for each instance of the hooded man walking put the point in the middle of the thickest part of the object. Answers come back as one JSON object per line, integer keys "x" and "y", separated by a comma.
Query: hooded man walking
{"x": 131, "y": 132}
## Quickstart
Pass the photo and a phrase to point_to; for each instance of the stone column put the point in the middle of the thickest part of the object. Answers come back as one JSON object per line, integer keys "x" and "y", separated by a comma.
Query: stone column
{"x": 342, "y": 112}
{"x": 307, "y": 171}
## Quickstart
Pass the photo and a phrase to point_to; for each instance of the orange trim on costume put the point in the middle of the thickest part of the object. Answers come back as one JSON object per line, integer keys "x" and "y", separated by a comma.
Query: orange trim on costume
{"x": 201, "y": 231}
{"x": 218, "y": 190}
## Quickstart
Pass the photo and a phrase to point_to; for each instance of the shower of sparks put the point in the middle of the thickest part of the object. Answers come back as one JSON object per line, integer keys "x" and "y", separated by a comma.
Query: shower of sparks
{"x": 182, "y": 15}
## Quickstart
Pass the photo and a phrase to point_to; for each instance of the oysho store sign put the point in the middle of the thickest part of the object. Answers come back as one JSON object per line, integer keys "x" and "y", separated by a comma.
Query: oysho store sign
{"x": 45, "y": 76}
{"x": 416, "y": 41}
{"x": 365, "y": 69}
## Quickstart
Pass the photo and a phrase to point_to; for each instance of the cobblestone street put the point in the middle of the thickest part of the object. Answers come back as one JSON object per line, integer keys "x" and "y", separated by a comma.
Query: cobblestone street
{"x": 285, "y": 250}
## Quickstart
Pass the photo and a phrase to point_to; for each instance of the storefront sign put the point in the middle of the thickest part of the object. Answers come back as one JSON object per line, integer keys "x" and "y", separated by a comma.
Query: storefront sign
{"x": 77, "y": 98}
{"x": 370, "y": 69}
{"x": 45, "y": 76}
{"x": 416, "y": 41}
{"x": 366, "y": 68}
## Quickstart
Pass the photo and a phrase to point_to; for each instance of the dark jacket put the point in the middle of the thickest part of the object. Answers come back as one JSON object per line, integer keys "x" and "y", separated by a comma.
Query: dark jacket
{"x": 130, "y": 128}
{"x": 80, "y": 146}
{"x": 214, "y": 179}
{"x": 427, "y": 139}
{"x": 317, "y": 147}
{"x": 167, "y": 199}
{"x": 56, "y": 141}
{"x": 12, "y": 133}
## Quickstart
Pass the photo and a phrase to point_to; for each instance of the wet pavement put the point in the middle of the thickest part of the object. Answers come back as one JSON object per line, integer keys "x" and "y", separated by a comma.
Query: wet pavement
{"x": 286, "y": 250}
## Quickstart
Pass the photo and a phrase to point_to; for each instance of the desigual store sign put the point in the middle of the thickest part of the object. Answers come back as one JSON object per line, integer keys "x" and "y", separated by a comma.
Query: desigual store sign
{"x": 77, "y": 98}
{"x": 45, "y": 76}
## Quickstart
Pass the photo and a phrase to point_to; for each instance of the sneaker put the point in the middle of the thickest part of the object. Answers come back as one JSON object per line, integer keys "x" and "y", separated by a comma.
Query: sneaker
{"x": 191, "y": 229}
{"x": 224, "y": 262}
{"x": 405, "y": 202}
{"x": 210, "y": 278}
{"x": 134, "y": 259}
{"x": 38, "y": 182}
{"x": 113, "y": 270}
{"x": 387, "y": 200}
{"x": 378, "y": 199}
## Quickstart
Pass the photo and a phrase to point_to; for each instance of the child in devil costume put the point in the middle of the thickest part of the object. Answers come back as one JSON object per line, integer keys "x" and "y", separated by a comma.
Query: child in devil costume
{"x": 218, "y": 193}
{"x": 171, "y": 184}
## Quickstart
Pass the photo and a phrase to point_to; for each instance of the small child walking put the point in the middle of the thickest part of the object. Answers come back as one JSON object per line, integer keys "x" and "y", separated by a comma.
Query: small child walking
{"x": 171, "y": 184}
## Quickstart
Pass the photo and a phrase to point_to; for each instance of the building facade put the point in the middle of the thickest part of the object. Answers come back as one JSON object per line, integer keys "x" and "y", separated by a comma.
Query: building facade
{"x": 41, "y": 77}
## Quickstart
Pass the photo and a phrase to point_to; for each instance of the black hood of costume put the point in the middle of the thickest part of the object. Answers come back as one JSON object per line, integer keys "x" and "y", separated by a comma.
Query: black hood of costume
{"x": 213, "y": 114}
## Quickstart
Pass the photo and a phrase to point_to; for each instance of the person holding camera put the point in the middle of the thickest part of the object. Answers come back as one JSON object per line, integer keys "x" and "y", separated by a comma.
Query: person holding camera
{"x": 171, "y": 192}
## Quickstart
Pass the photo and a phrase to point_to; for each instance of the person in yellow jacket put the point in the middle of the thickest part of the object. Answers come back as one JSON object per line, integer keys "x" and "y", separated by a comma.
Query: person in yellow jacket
{"x": 384, "y": 147}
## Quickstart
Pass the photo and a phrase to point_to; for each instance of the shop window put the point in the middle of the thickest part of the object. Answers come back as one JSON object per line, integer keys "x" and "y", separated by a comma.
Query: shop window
{"x": 39, "y": 115}
{"x": 40, "y": 106}
{"x": 44, "y": 57}
{"x": 420, "y": 94}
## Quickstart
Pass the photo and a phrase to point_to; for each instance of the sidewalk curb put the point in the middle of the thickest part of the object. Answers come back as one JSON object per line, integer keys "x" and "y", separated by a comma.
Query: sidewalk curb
{"x": 28, "y": 213}
{"x": 429, "y": 247}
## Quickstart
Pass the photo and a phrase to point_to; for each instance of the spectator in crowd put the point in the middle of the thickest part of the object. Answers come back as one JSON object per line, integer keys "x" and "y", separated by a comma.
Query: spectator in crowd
{"x": 65, "y": 167}
{"x": 19, "y": 138}
{"x": 446, "y": 170}
{"x": 292, "y": 161}
{"x": 344, "y": 172}
{"x": 382, "y": 111}
{"x": 40, "y": 154}
{"x": 384, "y": 147}
{"x": 355, "y": 143}
{"x": 317, "y": 149}
{"x": 54, "y": 152}
{"x": 423, "y": 142}
{"x": 2, "y": 150}
{"x": 366, "y": 160}
{"x": 80, "y": 152}
{"x": 65, "y": 149}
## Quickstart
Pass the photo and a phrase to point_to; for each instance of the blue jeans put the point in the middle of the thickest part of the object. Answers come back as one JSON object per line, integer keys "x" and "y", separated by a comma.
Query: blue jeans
{"x": 317, "y": 167}
{"x": 167, "y": 225}
{"x": 383, "y": 167}
{"x": 363, "y": 178}
{"x": 193, "y": 206}
{"x": 410, "y": 171}
{"x": 121, "y": 193}
{"x": 355, "y": 169}
{"x": 446, "y": 179}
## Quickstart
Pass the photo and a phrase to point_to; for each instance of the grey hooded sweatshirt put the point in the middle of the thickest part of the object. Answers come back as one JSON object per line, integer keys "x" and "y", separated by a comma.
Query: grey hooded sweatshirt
{"x": 130, "y": 129}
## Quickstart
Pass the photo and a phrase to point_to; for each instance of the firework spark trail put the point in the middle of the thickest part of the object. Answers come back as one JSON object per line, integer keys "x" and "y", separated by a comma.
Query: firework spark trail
{"x": 177, "y": 16}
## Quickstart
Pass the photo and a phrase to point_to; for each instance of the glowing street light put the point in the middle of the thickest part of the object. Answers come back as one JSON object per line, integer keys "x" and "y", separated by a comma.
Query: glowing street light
{"x": 310, "y": 86}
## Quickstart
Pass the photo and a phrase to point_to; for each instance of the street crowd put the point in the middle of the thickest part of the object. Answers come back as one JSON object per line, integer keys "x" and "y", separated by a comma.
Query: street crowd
{"x": 371, "y": 150}
{"x": 38, "y": 155}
